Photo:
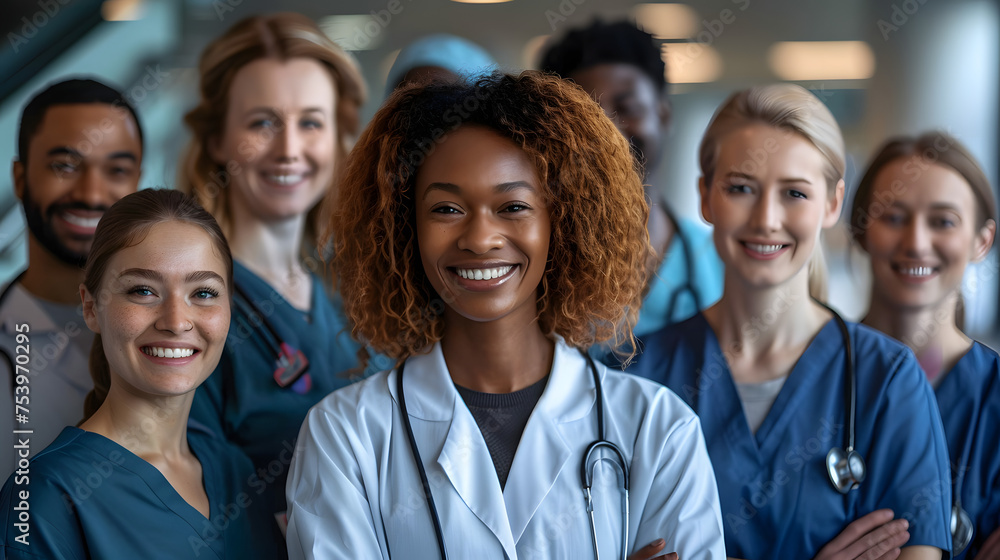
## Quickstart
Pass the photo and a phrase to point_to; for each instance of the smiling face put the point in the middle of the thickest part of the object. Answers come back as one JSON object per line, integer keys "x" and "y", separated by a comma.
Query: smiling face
{"x": 482, "y": 226}
{"x": 82, "y": 159}
{"x": 162, "y": 311}
{"x": 925, "y": 234}
{"x": 768, "y": 202}
{"x": 629, "y": 98}
{"x": 279, "y": 140}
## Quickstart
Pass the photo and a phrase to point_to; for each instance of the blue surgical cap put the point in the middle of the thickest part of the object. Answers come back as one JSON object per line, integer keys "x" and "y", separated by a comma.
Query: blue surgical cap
{"x": 455, "y": 54}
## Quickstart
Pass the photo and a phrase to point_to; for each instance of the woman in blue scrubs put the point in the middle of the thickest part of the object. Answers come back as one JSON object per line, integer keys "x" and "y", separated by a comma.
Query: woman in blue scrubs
{"x": 133, "y": 481}
{"x": 765, "y": 368}
{"x": 278, "y": 111}
{"x": 925, "y": 210}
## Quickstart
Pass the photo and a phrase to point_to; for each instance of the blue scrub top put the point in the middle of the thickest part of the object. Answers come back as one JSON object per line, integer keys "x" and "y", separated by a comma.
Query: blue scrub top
{"x": 969, "y": 399}
{"x": 89, "y": 497}
{"x": 777, "y": 499}
{"x": 242, "y": 401}
{"x": 671, "y": 295}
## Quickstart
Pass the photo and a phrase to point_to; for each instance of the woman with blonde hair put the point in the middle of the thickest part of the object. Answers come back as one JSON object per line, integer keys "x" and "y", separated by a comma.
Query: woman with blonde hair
{"x": 508, "y": 218}
{"x": 923, "y": 212}
{"x": 820, "y": 431}
{"x": 277, "y": 115}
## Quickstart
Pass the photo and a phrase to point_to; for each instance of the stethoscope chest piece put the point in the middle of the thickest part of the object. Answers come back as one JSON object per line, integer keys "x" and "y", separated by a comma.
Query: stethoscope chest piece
{"x": 961, "y": 530}
{"x": 846, "y": 469}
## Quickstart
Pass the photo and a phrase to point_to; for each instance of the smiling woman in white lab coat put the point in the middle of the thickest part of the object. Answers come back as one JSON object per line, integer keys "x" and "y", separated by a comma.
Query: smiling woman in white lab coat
{"x": 484, "y": 234}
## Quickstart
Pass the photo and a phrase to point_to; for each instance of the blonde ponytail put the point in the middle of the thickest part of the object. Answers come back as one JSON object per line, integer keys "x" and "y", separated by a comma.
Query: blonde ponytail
{"x": 818, "y": 285}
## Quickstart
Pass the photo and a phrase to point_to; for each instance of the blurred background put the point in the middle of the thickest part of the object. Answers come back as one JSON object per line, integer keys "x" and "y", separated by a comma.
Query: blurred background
{"x": 884, "y": 67}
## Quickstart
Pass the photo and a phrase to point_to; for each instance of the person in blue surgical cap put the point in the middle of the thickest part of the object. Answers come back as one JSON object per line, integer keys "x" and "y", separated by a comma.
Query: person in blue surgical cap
{"x": 439, "y": 57}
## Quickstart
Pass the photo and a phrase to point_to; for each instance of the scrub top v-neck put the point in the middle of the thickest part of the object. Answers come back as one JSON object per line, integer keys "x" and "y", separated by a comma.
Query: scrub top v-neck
{"x": 92, "y": 498}
{"x": 777, "y": 500}
{"x": 969, "y": 399}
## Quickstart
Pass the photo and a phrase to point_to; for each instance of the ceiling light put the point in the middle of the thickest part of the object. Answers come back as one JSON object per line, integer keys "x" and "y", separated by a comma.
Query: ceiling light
{"x": 121, "y": 10}
{"x": 822, "y": 60}
{"x": 666, "y": 21}
{"x": 691, "y": 63}
{"x": 532, "y": 51}
{"x": 354, "y": 32}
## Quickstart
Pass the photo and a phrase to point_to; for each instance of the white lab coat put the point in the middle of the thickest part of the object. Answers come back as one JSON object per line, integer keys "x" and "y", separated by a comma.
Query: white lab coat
{"x": 354, "y": 490}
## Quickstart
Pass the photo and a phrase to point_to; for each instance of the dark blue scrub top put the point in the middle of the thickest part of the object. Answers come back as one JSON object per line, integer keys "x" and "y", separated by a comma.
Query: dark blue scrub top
{"x": 241, "y": 399}
{"x": 777, "y": 499}
{"x": 969, "y": 399}
{"x": 89, "y": 497}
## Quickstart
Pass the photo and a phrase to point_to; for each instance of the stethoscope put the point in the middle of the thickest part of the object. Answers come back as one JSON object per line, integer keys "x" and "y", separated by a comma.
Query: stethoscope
{"x": 586, "y": 467}
{"x": 290, "y": 365}
{"x": 846, "y": 469}
{"x": 962, "y": 528}
{"x": 688, "y": 285}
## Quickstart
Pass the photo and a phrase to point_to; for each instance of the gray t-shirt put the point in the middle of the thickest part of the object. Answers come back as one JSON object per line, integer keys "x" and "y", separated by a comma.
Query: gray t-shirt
{"x": 62, "y": 314}
{"x": 757, "y": 399}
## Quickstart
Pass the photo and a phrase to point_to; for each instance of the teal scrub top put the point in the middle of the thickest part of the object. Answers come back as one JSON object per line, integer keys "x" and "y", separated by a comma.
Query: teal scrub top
{"x": 88, "y": 497}
{"x": 242, "y": 401}
{"x": 969, "y": 399}
{"x": 777, "y": 499}
{"x": 672, "y": 292}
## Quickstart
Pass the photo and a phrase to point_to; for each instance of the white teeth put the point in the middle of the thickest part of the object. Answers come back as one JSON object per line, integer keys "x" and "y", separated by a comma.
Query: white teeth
{"x": 284, "y": 179}
{"x": 483, "y": 273}
{"x": 167, "y": 352}
{"x": 80, "y": 221}
{"x": 917, "y": 271}
{"x": 764, "y": 249}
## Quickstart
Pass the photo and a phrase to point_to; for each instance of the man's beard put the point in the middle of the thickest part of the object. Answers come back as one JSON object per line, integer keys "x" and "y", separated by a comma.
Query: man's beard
{"x": 41, "y": 227}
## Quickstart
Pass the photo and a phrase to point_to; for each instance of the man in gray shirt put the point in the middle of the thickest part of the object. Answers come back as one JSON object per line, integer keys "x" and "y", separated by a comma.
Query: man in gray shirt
{"x": 79, "y": 151}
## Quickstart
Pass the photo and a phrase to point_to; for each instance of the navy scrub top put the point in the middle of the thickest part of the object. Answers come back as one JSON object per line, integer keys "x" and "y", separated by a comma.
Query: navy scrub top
{"x": 969, "y": 399}
{"x": 777, "y": 499}
{"x": 89, "y": 497}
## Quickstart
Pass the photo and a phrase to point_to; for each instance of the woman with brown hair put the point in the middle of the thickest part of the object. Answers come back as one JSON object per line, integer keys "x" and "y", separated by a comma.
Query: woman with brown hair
{"x": 277, "y": 115}
{"x": 485, "y": 236}
{"x": 923, "y": 212}
{"x": 134, "y": 481}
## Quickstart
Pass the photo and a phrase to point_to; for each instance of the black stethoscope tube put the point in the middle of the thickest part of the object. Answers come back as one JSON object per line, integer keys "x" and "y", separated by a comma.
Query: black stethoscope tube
{"x": 586, "y": 468}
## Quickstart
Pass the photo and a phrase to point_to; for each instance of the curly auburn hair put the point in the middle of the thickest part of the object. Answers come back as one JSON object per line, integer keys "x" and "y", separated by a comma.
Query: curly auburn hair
{"x": 591, "y": 289}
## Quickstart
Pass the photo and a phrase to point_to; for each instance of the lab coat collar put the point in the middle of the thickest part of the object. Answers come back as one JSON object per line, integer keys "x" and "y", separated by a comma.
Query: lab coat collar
{"x": 542, "y": 451}
{"x": 431, "y": 393}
